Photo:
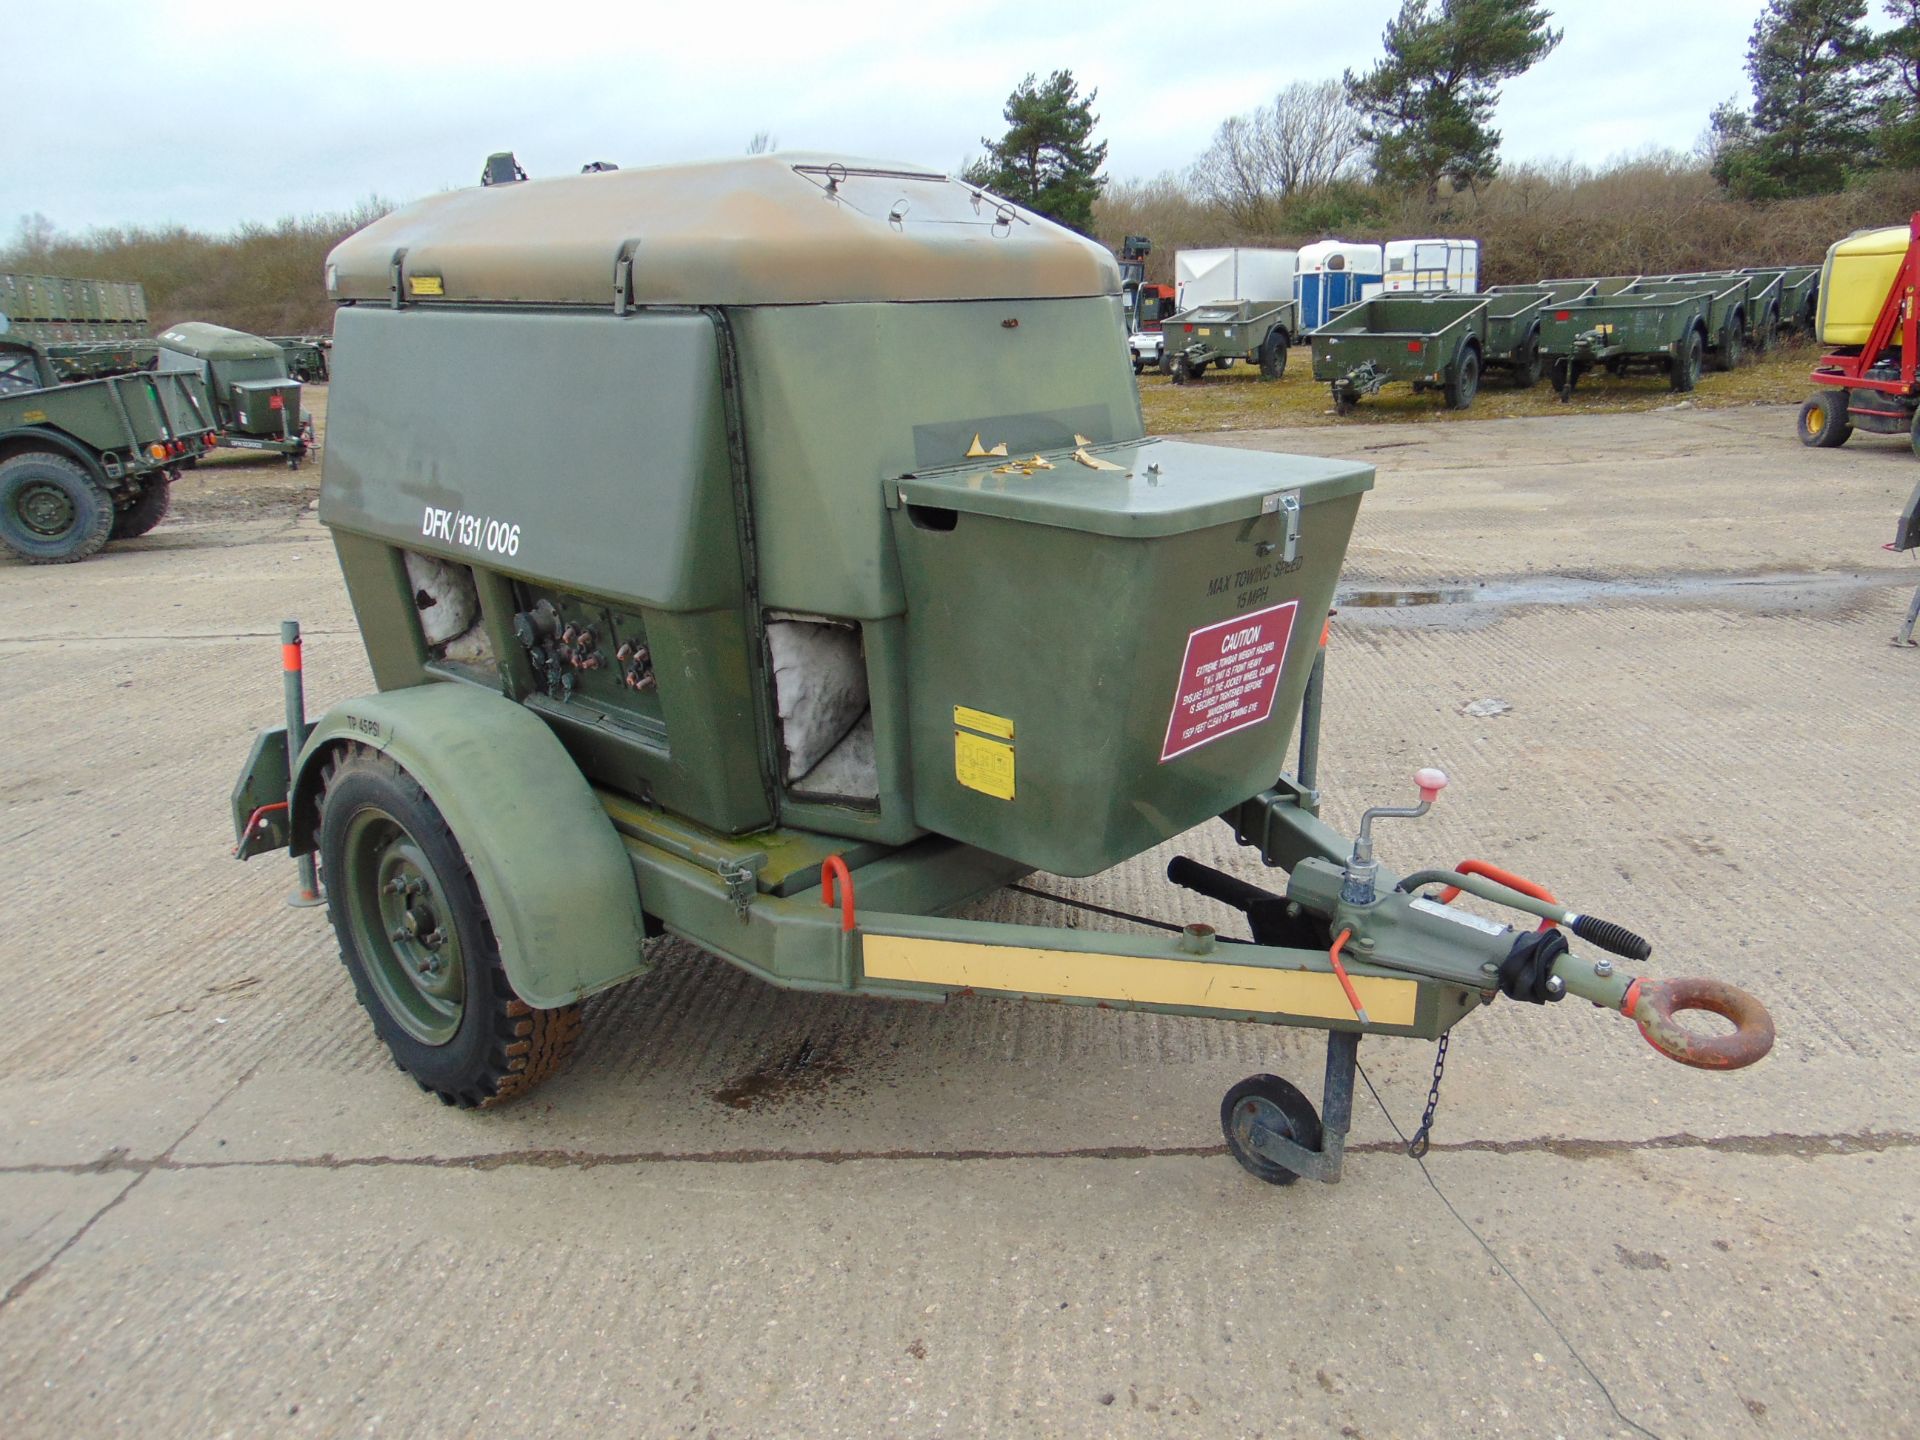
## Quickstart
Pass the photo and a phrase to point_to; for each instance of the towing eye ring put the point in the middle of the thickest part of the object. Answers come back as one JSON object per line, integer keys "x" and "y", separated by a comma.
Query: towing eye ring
{"x": 1652, "y": 1005}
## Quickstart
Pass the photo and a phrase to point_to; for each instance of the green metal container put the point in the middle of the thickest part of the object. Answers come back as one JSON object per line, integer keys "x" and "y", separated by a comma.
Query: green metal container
{"x": 990, "y": 557}
{"x": 1429, "y": 341}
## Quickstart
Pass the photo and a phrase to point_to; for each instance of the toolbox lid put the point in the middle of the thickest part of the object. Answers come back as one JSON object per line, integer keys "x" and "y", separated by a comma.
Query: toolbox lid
{"x": 1193, "y": 488}
{"x": 782, "y": 229}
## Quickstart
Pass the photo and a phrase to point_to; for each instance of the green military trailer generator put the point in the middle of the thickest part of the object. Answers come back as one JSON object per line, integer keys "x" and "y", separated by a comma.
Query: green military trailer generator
{"x": 827, "y": 581}
{"x": 1432, "y": 342}
{"x": 257, "y": 402}
{"x": 1627, "y": 332}
{"x": 1259, "y": 332}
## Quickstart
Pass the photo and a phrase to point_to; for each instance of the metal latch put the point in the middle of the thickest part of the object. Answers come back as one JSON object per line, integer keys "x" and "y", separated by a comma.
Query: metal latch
{"x": 396, "y": 292}
{"x": 1286, "y": 504}
{"x": 623, "y": 277}
{"x": 741, "y": 879}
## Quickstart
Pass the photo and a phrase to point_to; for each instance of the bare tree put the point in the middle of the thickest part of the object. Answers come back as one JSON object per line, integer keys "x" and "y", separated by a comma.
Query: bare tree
{"x": 763, "y": 143}
{"x": 33, "y": 239}
{"x": 1305, "y": 140}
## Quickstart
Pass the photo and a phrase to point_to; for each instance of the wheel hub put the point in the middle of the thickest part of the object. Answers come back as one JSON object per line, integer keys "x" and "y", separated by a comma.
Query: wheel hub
{"x": 412, "y": 951}
{"x": 46, "y": 509}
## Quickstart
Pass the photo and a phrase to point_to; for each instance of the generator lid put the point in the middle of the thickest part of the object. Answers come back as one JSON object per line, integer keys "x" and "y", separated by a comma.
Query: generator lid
{"x": 787, "y": 229}
{"x": 1135, "y": 490}
{"x": 216, "y": 342}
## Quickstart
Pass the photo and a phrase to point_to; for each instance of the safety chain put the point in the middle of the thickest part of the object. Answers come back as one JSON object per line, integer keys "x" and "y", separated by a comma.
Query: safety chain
{"x": 1417, "y": 1147}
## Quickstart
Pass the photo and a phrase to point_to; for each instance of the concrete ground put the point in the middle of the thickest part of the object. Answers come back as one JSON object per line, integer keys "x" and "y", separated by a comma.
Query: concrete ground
{"x": 223, "y": 1212}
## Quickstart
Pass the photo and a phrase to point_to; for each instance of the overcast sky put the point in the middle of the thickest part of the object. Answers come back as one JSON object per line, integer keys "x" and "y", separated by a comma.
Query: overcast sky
{"x": 209, "y": 115}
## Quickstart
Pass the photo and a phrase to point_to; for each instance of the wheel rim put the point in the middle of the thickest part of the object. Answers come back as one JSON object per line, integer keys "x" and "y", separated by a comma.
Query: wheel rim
{"x": 1257, "y": 1112}
{"x": 1816, "y": 420}
{"x": 403, "y": 928}
{"x": 45, "y": 509}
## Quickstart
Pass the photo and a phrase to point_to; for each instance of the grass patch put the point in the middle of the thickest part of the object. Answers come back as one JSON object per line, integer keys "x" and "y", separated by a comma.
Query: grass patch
{"x": 1238, "y": 399}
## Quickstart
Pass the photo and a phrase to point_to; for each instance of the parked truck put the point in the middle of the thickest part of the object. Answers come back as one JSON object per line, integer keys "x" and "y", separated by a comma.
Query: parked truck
{"x": 90, "y": 437}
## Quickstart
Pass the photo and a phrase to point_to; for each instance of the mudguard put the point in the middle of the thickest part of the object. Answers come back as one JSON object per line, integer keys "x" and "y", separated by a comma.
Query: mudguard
{"x": 557, "y": 882}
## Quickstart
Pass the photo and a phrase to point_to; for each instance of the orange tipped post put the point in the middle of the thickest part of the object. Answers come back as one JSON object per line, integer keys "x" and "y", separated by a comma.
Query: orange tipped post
{"x": 293, "y": 679}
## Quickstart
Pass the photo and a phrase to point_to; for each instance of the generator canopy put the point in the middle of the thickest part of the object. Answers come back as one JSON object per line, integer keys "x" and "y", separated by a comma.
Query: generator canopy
{"x": 216, "y": 342}
{"x": 788, "y": 229}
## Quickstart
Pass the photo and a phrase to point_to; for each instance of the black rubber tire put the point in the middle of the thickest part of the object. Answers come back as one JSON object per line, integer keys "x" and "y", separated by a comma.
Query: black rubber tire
{"x": 1273, "y": 355}
{"x": 1733, "y": 344}
{"x": 1463, "y": 380}
{"x": 1527, "y": 364}
{"x": 1683, "y": 372}
{"x": 1269, "y": 1093}
{"x": 146, "y": 510}
{"x": 503, "y": 1046}
{"x": 46, "y": 477}
{"x": 1768, "y": 334}
{"x": 1822, "y": 423}
{"x": 1913, "y": 433}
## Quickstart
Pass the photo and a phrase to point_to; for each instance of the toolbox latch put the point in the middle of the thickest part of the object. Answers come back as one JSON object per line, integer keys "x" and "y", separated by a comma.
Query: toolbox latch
{"x": 1286, "y": 504}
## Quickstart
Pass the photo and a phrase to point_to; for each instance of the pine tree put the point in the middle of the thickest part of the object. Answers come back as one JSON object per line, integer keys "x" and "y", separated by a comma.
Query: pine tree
{"x": 1898, "y": 134}
{"x": 1814, "y": 68}
{"x": 1427, "y": 105}
{"x": 1047, "y": 160}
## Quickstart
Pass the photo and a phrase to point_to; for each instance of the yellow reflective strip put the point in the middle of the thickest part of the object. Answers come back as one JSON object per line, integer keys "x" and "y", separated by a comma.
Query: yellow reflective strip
{"x": 969, "y": 718}
{"x": 1138, "y": 979}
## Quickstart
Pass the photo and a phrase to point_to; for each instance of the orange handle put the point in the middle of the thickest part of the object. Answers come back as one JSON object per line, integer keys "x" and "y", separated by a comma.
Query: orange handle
{"x": 1353, "y": 996}
{"x": 834, "y": 876}
{"x": 1500, "y": 877}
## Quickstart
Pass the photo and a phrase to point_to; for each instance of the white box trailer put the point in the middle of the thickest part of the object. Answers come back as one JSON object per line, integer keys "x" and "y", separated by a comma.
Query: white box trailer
{"x": 1211, "y": 277}
{"x": 1426, "y": 266}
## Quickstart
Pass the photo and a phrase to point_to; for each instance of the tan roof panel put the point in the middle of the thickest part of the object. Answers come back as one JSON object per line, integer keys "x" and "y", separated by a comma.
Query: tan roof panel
{"x": 762, "y": 230}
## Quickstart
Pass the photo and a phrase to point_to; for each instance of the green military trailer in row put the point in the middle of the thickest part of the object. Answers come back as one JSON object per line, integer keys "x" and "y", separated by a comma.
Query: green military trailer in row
{"x": 306, "y": 356}
{"x": 1732, "y": 303}
{"x": 1441, "y": 342}
{"x": 1259, "y": 332}
{"x": 1626, "y": 332}
{"x": 256, "y": 401}
{"x": 826, "y": 580}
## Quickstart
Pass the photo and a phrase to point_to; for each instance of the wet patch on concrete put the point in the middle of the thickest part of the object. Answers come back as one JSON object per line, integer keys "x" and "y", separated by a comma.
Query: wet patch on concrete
{"x": 1458, "y": 607}
{"x": 806, "y": 1073}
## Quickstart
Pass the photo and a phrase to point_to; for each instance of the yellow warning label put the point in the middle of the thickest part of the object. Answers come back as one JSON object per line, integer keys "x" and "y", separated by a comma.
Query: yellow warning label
{"x": 982, "y": 764}
{"x": 425, "y": 285}
{"x": 968, "y": 718}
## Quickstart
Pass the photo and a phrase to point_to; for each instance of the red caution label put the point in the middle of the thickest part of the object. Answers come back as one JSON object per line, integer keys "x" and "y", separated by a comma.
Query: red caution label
{"x": 1229, "y": 678}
